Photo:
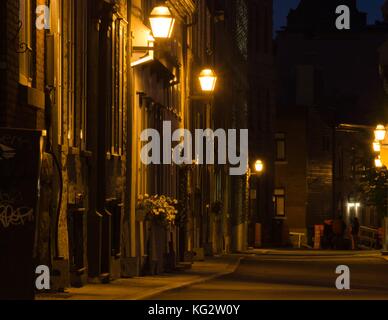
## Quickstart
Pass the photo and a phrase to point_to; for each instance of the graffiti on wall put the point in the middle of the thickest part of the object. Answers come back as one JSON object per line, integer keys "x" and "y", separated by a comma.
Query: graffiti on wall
{"x": 6, "y": 153}
{"x": 11, "y": 215}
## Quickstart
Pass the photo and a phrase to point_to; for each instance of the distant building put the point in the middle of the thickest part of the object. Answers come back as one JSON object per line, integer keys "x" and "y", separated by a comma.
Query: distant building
{"x": 326, "y": 77}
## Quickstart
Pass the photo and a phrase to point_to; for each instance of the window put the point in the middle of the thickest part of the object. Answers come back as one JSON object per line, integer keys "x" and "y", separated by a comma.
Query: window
{"x": 280, "y": 202}
{"x": 280, "y": 139}
{"x": 119, "y": 71}
{"x": 80, "y": 38}
{"x": 69, "y": 68}
{"x": 55, "y": 70}
{"x": 72, "y": 71}
{"x": 24, "y": 48}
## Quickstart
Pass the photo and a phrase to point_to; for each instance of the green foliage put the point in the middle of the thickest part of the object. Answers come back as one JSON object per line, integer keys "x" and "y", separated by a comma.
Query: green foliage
{"x": 374, "y": 188}
{"x": 158, "y": 207}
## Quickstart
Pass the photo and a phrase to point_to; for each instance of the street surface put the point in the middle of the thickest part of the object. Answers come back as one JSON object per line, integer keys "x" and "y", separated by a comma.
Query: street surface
{"x": 295, "y": 277}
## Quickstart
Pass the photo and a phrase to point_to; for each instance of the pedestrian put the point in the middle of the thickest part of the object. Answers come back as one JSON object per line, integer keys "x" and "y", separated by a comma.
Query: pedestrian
{"x": 355, "y": 232}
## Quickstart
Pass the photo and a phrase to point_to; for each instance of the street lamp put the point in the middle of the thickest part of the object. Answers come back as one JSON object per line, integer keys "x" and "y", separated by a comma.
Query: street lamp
{"x": 376, "y": 146}
{"x": 380, "y": 132}
{"x": 254, "y": 194}
{"x": 259, "y": 166}
{"x": 208, "y": 80}
{"x": 162, "y": 22}
{"x": 378, "y": 162}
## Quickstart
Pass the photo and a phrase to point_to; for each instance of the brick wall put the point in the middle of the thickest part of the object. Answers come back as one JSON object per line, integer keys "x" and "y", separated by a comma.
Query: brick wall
{"x": 15, "y": 111}
{"x": 10, "y": 63}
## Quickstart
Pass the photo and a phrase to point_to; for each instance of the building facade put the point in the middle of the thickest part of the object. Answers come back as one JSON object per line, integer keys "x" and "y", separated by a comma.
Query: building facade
{"x": 262, "y": 102}
{"x": 88, "y": 76}
{"x": 318, "y": 90}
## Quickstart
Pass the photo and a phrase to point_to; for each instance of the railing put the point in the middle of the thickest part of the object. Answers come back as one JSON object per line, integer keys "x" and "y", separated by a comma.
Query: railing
{"x": 299, "y": 235}
{"x": 368, "y": 237}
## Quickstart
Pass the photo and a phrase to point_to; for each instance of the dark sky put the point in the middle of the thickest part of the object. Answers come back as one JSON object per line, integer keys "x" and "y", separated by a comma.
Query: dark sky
{"x": 282, "y": 7}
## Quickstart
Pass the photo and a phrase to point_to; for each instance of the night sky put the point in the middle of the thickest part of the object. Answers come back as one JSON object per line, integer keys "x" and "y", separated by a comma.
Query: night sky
{"x": 282, "y": 7}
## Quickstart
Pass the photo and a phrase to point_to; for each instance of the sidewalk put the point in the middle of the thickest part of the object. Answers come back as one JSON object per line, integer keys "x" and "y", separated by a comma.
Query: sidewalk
{"x": 318, "y": 253}
{"x": 142, "y": 288}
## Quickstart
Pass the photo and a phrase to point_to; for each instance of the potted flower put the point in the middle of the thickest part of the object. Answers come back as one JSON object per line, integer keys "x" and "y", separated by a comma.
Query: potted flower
{"x": 161, "y": 209}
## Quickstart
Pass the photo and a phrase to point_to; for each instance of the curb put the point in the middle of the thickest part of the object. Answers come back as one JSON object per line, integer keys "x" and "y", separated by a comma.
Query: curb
{"x": 269, "y": 253}
{"x": 230, "y": 269}
{"x": 315, "y": 254}
{"x": 385, "y": 258}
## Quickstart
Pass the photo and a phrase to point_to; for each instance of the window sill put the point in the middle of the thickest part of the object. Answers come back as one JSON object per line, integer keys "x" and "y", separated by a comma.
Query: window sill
{"x": 25, "y": 81}
{"x": 110, "y": 156}
{"x": 32, "y": 97}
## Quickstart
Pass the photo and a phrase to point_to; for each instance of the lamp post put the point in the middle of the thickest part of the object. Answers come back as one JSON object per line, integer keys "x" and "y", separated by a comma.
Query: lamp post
{"x": 258, "y": 170}
{"x": 380, "y": 147}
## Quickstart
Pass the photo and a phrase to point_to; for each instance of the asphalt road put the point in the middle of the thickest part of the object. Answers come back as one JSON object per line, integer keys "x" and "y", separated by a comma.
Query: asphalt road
{"x": 292, "y": 278}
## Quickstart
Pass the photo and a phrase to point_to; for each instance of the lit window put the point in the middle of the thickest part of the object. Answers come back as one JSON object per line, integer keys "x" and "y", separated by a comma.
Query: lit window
{"x": 280, "y": 202}
{"x": 280, "y": 139}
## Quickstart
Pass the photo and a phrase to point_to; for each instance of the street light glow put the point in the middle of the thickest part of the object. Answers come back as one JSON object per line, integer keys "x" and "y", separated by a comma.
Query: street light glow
{"x": 208, "y": 80}
{"x": 380, "y": 132}
{"x": 162, "y": 22}
{"x": 376, "y": 146}
{"x": 378, "y": 162}
{"x": 259, "y": 166}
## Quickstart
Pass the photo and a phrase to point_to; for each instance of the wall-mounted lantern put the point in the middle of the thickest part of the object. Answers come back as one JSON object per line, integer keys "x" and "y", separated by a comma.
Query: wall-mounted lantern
{"x": 208, "y": 80}
{"x": 162, "y": 22}
{"x": 259, "y": 166}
